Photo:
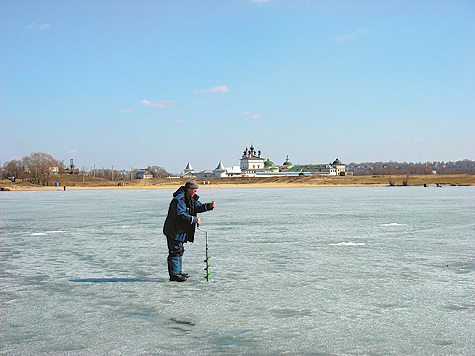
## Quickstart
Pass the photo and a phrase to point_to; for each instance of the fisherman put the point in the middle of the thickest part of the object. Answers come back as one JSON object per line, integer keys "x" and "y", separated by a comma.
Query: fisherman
{"x": 180, "y": 224}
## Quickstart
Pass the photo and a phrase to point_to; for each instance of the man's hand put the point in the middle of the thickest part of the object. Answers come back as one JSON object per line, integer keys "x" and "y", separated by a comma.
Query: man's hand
{"x": 212, "y": 204}
{"x": 198, "y": 220}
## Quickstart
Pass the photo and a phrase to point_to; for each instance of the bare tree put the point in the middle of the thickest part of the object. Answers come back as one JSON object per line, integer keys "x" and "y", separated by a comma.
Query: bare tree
{"x": 39, "y": 167}
{"x": 158, "y": 172}
{"x": 13, "y": 170}
{"x": 61, "y": 167}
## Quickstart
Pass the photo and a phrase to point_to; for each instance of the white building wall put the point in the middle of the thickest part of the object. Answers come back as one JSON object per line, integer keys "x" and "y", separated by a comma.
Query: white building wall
{"x": 339, "y": 168}
{"x": 252, "y": 163}
{"x": 234, "y": 170}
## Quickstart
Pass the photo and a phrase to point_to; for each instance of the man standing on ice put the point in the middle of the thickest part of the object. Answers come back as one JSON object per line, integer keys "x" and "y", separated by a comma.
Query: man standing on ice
{"x": 180, "y": 224}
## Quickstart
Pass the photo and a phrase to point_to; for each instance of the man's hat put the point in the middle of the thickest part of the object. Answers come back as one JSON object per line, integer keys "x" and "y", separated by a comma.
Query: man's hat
{"x": 191, "y": 184}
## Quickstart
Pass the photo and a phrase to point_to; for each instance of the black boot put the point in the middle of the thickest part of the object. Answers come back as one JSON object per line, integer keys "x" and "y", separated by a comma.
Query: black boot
{"x": 177, "y": 278}
{"x": 186, "y": 275}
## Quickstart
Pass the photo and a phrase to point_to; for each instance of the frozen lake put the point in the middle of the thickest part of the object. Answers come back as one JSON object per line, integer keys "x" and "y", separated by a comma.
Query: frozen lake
{"x": 298, "y": 271}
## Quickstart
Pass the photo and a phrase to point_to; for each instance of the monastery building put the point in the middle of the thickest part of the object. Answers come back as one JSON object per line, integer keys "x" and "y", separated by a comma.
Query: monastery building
{"x": 252, "y": 164}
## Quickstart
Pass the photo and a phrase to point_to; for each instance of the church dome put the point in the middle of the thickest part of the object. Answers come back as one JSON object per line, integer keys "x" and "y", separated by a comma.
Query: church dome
{"x": 269, "y": 163}
{"x": 287, "y": 162}
{"x": 337, "y": 162}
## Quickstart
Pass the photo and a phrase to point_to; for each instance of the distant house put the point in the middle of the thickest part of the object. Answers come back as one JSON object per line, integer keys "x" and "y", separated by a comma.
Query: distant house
{"x": 233, "y": 171}
{"x": 340, "y": 167}
{"x": 143, "y": 174}
{"x": 314, "y": 169}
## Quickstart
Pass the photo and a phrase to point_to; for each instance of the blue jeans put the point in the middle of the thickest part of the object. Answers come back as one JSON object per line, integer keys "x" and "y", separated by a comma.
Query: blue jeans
{"x": 175, "y": 253}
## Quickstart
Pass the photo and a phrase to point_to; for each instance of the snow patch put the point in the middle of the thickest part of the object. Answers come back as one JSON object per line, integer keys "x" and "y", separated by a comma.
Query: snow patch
{"x": 349, "y": 244}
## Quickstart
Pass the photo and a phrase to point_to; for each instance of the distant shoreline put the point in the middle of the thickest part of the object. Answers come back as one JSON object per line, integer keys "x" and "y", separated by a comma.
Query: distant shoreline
{"x": 90, "y": 183}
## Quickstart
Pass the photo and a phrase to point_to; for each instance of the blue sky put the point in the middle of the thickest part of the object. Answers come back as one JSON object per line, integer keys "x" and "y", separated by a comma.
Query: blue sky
{"x": 137, "y": 83}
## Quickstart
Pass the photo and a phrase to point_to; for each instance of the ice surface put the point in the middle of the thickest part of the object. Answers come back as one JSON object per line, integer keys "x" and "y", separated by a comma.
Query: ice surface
{"x": 300, "y": 271}
{"x": 349, "y": 244}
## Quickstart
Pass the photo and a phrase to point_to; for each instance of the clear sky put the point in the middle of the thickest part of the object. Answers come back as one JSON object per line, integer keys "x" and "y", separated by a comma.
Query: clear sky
{"x": 166, "y": 82}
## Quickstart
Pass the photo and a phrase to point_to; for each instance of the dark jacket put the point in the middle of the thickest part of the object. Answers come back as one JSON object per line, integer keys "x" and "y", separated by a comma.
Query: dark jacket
{"x": 181, "y": 218}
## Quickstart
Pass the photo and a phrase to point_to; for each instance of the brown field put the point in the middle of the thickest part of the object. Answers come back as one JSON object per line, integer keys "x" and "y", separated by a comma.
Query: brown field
{"x": 78, "y": 182}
